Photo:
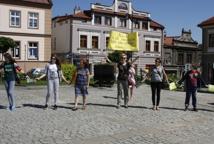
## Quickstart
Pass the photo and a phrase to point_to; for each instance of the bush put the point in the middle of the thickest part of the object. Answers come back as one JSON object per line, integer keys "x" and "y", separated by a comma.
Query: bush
{"x": 68, "y": 71}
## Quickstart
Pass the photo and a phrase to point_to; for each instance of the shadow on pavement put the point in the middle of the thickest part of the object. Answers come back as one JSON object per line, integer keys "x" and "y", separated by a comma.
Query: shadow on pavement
{"x": 103, "y": 105}
{"x": 211, "y": 103}
{"x": 199, "y": 109}
{"x": 34, "y": 106}
{"x": 64, "y": 107}
{"x": 3, "y": 107}
{"x": 170, "y": 108}
{"x": 140, "y": 107}
{"x": 109, "y": 97}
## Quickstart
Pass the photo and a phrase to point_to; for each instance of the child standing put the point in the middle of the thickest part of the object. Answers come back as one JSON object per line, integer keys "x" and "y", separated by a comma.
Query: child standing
{"x": 192, "y": 79}
{"x": 81, "y": 79}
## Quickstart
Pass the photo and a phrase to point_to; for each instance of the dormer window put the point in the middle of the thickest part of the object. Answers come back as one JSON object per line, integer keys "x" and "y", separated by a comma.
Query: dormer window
{"x": 97, "y": 20}
{"x": 123, "y": 6}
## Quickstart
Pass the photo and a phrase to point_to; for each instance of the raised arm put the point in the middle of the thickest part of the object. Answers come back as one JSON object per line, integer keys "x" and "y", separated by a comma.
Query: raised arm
{"x": 131, "y": 62}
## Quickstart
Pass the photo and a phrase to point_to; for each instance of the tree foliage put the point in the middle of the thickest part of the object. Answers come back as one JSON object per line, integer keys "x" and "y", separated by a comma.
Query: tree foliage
{"x": 6, "y": 43}
{"x": 115, "y": 56}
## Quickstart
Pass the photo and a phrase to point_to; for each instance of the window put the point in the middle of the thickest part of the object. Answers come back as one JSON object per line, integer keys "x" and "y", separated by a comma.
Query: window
{"x": 95, "y": 42}
{"x": 148, "y": 43}
{"x": 107, "y": 42}
{"x": 33, "y": 50}
{"x": 16, "y": 50}
{"x": 136, "y": 24}
{"x": 211, "y": 40}
{"x": 33, "y": 20}
{"x": 180, "y": 59}
{"x": 83, "y": 41}
{"x": 145, "y": 25}
{"x": 167, "y": 58}
{"x": 189, "y": 58}
{"x": 15, "y": 18}
{"x": 98, "y": 20}
{"x": 123, "y": 6}
{"x": 156, "y": 46}
{"x": 108, "y": 21}
{"x": 122, "y": 22}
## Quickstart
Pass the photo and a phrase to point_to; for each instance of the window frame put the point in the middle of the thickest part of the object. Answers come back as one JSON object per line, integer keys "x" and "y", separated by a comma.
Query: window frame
{"x": 85, "y": 41}
{"x": 148, "y": 42}
{"x": 35, "y": 57}
{"x": 96, "y": 42}
{"x": 156, "y": 46}
{"x": 13, "y": 50}
{"x": 211, "y": 40}
{"x": 98, "y": 22}
{"x": 10, "y": 19}
{"x": 32, "y": 27}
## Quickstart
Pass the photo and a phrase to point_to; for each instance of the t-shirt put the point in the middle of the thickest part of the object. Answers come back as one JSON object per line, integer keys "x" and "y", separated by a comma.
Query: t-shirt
{"x": 52, "y": 71}
{"x": 157, "y": 74}
{"x": 123, "y": 70}
{"x": 9, "y": 71}
{"x": 193, "y": 78}
{"x": 82, "y": 76}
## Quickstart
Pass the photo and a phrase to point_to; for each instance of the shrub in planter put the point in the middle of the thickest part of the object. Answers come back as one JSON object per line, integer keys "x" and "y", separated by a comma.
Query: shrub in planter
{"x": 104, "y": 74}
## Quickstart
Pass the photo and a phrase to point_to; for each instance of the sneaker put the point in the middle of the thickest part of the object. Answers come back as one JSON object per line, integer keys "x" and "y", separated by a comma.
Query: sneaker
{"x": 186, "y": 108}
{"x": 157, "y": 108}
{"x": 74, "y": 108}
{"x": 12, "y": 108}
{"x": 55, "y": 107}
{"x": 153, "y": 108}
{"x": 195, "y": 109}
{"x": 126, "y": 106}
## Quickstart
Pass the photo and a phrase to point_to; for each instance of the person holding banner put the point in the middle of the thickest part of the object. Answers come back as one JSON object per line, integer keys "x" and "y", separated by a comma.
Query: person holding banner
{"x": 122, "y": 79}
{"x": 157, "y": 74}
{"x": 193, "y": 80}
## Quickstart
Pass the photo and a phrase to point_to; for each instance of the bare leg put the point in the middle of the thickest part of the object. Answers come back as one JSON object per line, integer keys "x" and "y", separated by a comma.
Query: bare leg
{"x": 76, "y": 102}
{"x": 84, "y": 102}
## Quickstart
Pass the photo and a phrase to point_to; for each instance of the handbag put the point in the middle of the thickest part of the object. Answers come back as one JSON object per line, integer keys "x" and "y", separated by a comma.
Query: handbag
{"x": 210, "y": 88}
{"x": 172, "y": 86}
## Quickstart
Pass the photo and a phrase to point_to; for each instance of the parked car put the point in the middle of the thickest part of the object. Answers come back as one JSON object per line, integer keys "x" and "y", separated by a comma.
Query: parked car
{"x": 35, "y": 72}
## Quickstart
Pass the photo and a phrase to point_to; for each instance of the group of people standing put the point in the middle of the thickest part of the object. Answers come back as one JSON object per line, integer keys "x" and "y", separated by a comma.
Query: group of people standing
{"x": 157, "y": 76}
{"x": 125, "y": 81}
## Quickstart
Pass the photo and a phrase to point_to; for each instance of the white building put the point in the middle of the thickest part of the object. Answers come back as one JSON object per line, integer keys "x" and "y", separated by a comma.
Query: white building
{"x": 86, "y": 32}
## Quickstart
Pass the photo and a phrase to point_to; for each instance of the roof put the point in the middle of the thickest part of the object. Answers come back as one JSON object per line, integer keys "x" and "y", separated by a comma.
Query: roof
{"x": 83, "y": 15}
{"x": 168, "y": 41}
{"x": 208, "y": 22}
{"x": 154, "y": 24}
{"x": 30, "y": 3}
{"x": 39, "y": 1}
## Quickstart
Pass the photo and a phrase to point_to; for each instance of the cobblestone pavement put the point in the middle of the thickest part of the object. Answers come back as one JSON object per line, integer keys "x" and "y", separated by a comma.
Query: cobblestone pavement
{"x": 101, "y": 122}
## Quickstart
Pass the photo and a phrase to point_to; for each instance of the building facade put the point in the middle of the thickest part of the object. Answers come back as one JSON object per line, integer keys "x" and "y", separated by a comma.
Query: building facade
{"x": 207, "y": 27}
{"x": 180, "y": 51}
{"x": 86, "y": 32}
{"x": 28, "y": 23}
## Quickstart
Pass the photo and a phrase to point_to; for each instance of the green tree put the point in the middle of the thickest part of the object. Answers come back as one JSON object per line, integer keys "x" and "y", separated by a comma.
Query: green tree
{"x": 115, "y": 56}
{"x": 6, "y": 43}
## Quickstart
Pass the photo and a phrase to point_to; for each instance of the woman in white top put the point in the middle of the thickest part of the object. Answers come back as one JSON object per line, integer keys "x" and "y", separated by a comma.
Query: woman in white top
{"x": 53, "y": 73}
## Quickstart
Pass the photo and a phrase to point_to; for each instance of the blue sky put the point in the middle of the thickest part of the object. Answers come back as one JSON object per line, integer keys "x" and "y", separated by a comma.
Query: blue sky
{"x": 173, "y": 14}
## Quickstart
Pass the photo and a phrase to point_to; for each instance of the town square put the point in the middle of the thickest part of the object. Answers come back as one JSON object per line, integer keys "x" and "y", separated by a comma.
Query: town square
{"x": 106, "y": 72}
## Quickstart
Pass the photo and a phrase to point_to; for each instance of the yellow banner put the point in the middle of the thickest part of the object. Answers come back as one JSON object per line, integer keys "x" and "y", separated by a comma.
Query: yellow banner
{"x": 123, "y": 42}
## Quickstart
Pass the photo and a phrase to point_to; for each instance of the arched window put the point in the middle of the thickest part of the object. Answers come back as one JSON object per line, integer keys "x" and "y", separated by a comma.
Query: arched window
{"x": 123, "y": 6}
